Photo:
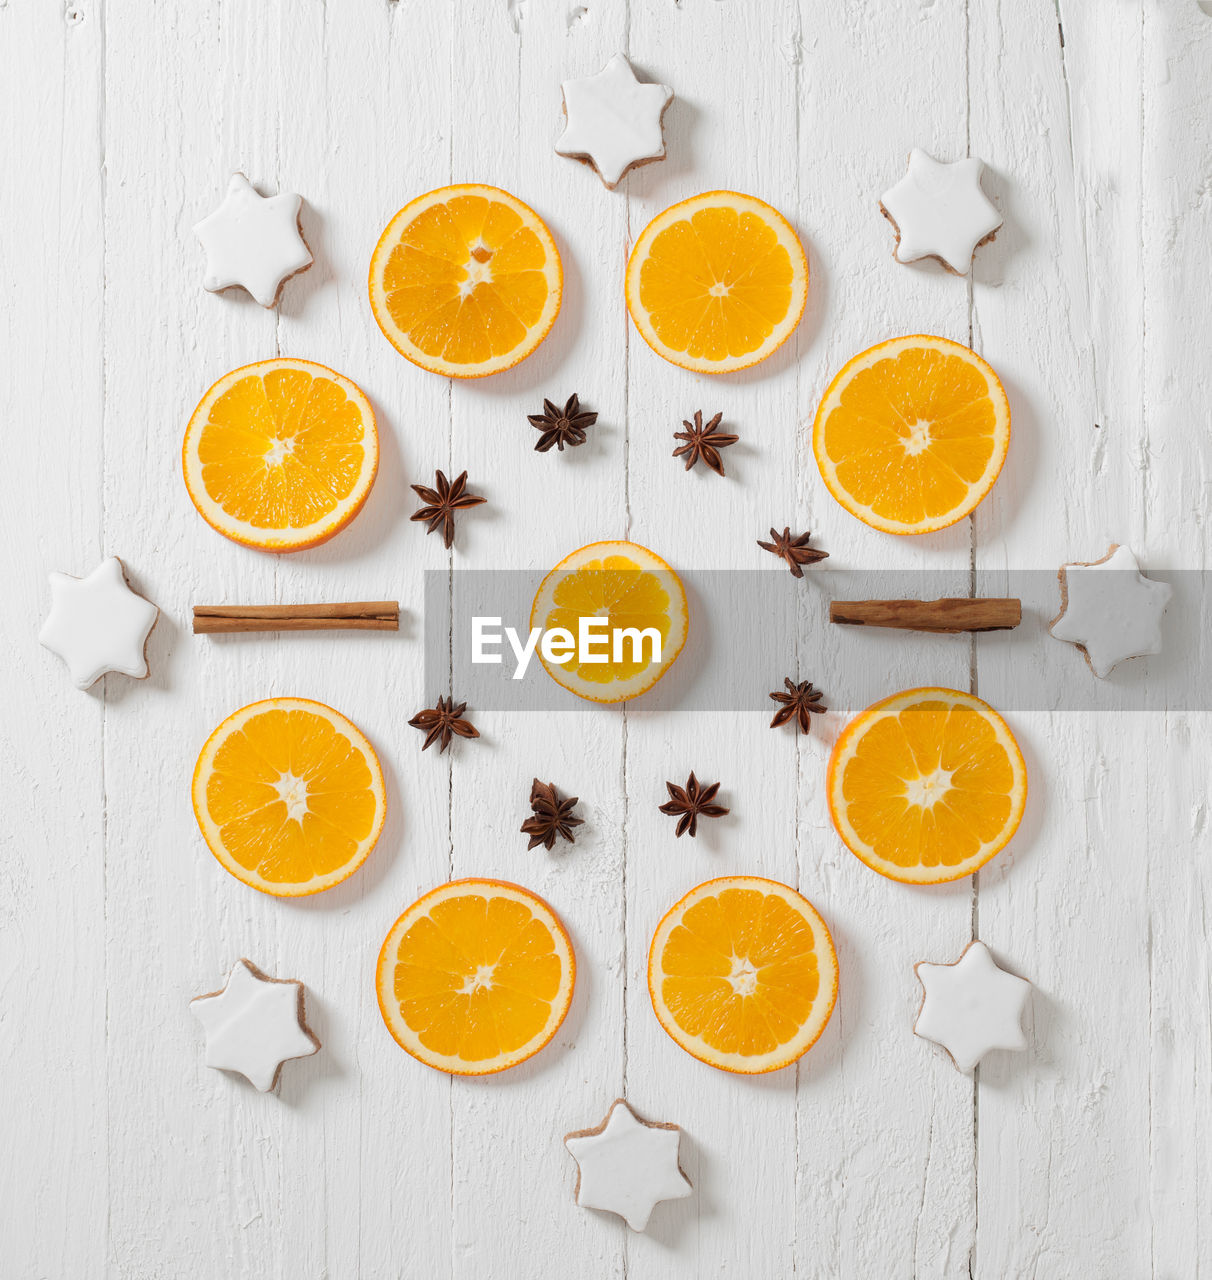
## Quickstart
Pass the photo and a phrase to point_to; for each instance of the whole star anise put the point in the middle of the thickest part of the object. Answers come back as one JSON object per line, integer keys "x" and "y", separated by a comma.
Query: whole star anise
{"x": 703, "y": 442}
{"x": 795, "y": 550}
{"x": 441, "y": 723}
{"x": 442, "y": 503}
{"x": 561, "y": 427}
{"x": 799, "y": 703}
{"x": 552, "y": 816}
{"x": 690, "y": 803}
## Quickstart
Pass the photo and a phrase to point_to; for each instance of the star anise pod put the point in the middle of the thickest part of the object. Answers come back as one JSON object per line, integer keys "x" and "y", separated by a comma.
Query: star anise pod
{"x": 442, "y": 503}
{"x": 799, "y": 703}
{"x": 690, "y": 803}
{"x": 795, "y": 550}
{"x": 552, "y": 816}
{"x": 561, "y": 427}
{"x": 703, "y": 442}
{"x": 441, "y": 723}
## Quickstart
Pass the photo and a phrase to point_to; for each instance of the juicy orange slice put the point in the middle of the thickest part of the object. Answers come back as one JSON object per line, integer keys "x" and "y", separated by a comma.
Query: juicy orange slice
{"x": 475, "y": 977}
{"x": 289, "y": 796}
{"x": 926, "y": 786}
{"x": 281, "y": 454}
{"x": 717, "y": 282}
{"x": 743, "y": 974}
{"x": 466, "y": 281}
{"x": 642, "y": 607}
{"x": 912, "y": 433}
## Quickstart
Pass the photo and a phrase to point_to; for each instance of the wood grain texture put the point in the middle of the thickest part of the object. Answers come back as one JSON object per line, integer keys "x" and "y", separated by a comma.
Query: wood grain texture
{"x": 53, "y": 890}
{"x": 1171, "y": 467}
{"x": 1086, "y": 1156}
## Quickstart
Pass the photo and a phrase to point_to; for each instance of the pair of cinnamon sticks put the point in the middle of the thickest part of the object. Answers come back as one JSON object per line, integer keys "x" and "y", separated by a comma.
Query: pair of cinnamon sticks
{"x": 947, "y": 615}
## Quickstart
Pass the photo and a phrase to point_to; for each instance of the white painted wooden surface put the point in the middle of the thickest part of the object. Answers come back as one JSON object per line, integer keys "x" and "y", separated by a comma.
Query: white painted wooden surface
{"x": 123, "y": 1155}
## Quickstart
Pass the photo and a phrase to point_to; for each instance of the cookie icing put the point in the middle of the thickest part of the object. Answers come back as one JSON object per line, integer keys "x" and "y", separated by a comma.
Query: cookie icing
{"x": 254, "y": 1025}
{"x": 613, "y": 120}
{"x": 98, "y": 624}
{"x": 1110, "y": 610}
{"x": 627, "y": 1165}
{"x": 940, "y": 211}
{"x": 972, "y": 1006}
{"x": 253, "y": 241}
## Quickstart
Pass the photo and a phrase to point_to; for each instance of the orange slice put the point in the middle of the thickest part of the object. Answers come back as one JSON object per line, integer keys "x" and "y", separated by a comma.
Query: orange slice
{"x": 743, "y": 974}
{"x": 926, "y": 786}
{"x": 717, "y": 282}
{"x": 280, "y": 455}
{"x": 912, "y": 433}
{"x": 466, "y": 281}
{"x": 475, "y": 977}
{"x": 289, "y": 796}
{"x": 639, "y": 599}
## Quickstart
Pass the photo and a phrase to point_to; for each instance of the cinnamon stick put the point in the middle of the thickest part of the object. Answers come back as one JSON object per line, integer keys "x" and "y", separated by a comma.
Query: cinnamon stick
{"x": 357, "y": 615}
{"x": 950, "y": 614}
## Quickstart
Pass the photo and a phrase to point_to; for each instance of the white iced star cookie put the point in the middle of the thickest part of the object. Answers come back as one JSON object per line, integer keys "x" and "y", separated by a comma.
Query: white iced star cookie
{"x": 1110, "y": 610}
{"x": 971, "y": 1006}
{"x": 613, "y": 120}
{"x": 627, "y": 1165}
{"x": 254, "y": 1025}
{"x": 940, "y": 211}
{"x": 98, "y": 624}
{"x": 253, "y": 241}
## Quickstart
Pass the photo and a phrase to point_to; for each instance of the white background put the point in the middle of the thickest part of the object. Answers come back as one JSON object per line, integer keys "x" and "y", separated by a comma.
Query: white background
{"x": 124, "y": 1155}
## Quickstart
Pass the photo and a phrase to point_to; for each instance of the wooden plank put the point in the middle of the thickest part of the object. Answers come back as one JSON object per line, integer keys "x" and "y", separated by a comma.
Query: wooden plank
{"x": 742, "y": 1214}
{"x": 512, "y": 1186}
{"x": 52, "y": 869}
{"x": 365, "y": 125}
{"x": 1063, "y": 1130}
{"x": 176, "y": 922}
{"x": 886, "y": 1178}
{"x": 1171, "y": 464}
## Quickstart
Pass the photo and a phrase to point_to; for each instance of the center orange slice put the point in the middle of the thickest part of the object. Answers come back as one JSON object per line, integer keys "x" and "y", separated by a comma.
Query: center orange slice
{"x": 718, "y": 282}
{"x": 466, "y": 281}
{"x": 629, "y": 609}
{"x": 475, "y": 977}
{"x": 280, "y": 455}
{"x": 927, "y": 785}
{"x": 912, "y": 433}
{"x": 289, "y": 796}
{"x": 743, "y": 974}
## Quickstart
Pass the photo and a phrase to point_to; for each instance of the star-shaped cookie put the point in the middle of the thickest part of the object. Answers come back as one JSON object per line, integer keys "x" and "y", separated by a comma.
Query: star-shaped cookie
{"x": 98, "y": 624}
{"x": 940, "y": 211}
{"x": 1110, "y": 610}
{"x": 254, "y": 1025}
{"x": 253, "y": 241}
{"x": 971, "y": 1006}
{"x": 613, "y": 120}
{"x": 627, "y": 1165}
